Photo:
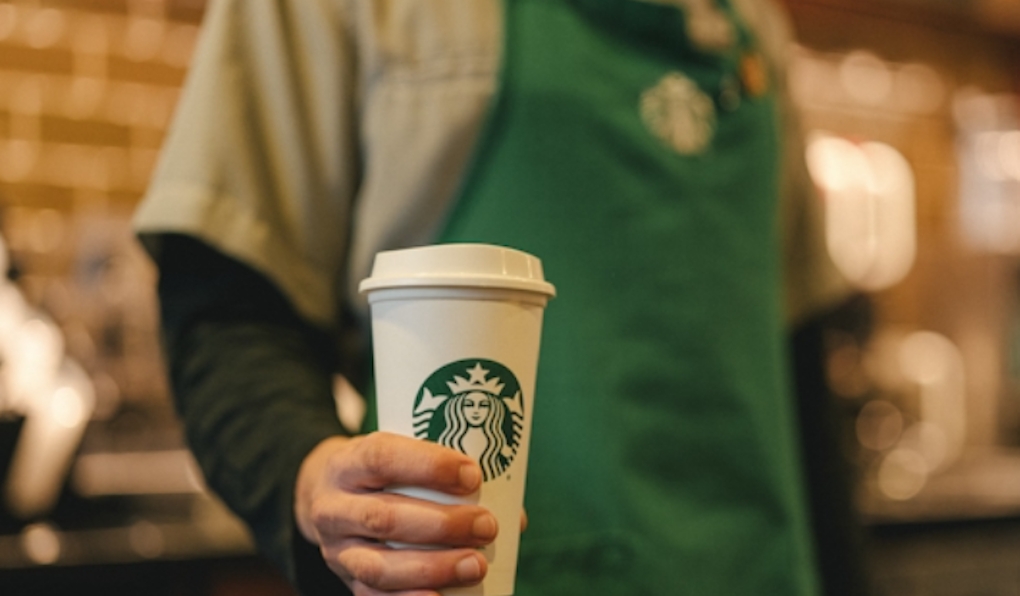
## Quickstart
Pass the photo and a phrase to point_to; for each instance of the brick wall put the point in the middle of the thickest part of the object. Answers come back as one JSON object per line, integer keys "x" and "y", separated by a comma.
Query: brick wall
{"x": 87, "y": 89}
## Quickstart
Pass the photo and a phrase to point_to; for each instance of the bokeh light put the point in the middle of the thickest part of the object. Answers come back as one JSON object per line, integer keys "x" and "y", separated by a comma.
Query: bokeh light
{"x": 879, "y": 425}
{"x": 866, "y": 78}
{"x": 902, "y": 474}
{"x": 871, "y": 228}
{"x": 41, "y": 543}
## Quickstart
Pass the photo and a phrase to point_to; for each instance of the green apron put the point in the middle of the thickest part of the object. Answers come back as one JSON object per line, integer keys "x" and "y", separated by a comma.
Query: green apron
{"x": 662, "y": 458}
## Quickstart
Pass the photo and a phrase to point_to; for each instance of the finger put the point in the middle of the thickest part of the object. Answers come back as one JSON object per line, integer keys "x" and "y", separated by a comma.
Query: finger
{"x": 385, "y": 516}
{"x": 380, "y": 568}
{"x": 380, "y": 459}
{"x": 360, "y": 589}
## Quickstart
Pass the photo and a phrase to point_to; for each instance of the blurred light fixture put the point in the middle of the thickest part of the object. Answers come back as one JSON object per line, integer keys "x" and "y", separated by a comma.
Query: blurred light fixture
{"x": 879, "y": 425}
{"x": 998, "y": 154}
{"x": 921, "y": 428}
{"x": 67, "y": 407}
{"x": 918, "y": 88}
{"x": 44, "y": 27}
{"x": 935, "y": 364}
{"x": 13, "y": 310}
{"x": 84, "y": 97}
{"x": 8, "y": 20}
{"x": 27, "y": 97}
{"x": 18, "y": 158}
{"x": 41, "y": 543}
{"x": 54, "y": 395}
{"x": 125, "y": 101}
{"x": 90, "y": 34}
{"x": 902, "y": 474}
{"x": 813, "y": 79}
{"x": 931, "y": 442}
{"x": 146, "y": 539}
{"x": 1008, "y": 146}
{"x": 989, "y": 159}
{"x": 55, "y": 421}
{"x": 143, "y": 39}
{"x": 860, "y": 78}
{"x": 866, "y": 78}
{"x": 871, "y": 228}
{"x": 988, "y": 154}
{"x": 137, "y": 473}
{"x": 32, "y": 359}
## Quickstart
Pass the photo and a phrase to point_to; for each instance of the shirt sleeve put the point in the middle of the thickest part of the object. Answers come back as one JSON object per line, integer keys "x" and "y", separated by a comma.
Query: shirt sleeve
{"x": 252, "y": 381}
{"x": 260, "y": 160}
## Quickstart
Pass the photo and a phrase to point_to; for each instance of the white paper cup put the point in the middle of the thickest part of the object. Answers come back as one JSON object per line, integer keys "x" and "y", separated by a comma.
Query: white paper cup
{"x": 456, "y": 331}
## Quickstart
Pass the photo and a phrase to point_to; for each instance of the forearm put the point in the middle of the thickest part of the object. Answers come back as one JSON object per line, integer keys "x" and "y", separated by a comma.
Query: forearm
{"x": 253, "y": 405}
{"x": 253, "y": 384}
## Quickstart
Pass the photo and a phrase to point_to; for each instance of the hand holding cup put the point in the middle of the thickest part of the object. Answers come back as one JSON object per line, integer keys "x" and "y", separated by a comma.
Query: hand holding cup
{"x": 341, "y": 505}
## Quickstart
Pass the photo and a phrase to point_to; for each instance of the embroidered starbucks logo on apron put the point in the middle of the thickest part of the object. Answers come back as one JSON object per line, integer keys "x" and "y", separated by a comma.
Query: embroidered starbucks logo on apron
{"x": 678, "y": 112}
{"x": 476, "y": 407}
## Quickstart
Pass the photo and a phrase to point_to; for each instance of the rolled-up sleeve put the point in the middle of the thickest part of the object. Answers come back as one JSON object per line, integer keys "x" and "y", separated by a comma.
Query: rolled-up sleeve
{"x": 260, "y": 161}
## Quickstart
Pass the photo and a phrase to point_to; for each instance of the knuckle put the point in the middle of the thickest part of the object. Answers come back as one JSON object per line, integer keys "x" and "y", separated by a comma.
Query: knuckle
{"x": 375, "y": 457}
{"x": 446, "y": 526}
{"x": 362, "y": 567}
{"x": 336, "y": 463}
{"x": 335, "y": 564}
{"x": 378, "y": 520}
{"x": 322, "y": 517}
{"x": 423, "y": 574}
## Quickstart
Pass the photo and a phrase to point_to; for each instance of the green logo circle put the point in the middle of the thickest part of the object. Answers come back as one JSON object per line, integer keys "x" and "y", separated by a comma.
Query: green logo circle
{"x": 476, "y": 407}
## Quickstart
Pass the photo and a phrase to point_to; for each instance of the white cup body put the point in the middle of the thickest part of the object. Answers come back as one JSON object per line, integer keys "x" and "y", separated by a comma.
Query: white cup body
{"x": 420, "y": 333}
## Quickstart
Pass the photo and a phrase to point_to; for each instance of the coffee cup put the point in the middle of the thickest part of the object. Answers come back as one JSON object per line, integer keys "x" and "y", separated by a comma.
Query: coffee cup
{"x": 456, "y": 331}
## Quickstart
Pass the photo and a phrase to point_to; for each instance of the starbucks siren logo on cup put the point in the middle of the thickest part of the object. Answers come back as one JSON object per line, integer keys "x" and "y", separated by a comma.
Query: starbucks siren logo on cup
{"x": 476, "y": 407}
{"x": 455, "y": 332}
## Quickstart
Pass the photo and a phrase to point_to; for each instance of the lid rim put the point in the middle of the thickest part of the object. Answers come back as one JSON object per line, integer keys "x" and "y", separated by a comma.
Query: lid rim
{"x": 485, "y": 266}
{"x": 481, "y": 282}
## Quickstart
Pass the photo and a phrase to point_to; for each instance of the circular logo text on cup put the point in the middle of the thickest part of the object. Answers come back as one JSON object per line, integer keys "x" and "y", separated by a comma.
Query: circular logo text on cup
{"x": 476, "y": 407}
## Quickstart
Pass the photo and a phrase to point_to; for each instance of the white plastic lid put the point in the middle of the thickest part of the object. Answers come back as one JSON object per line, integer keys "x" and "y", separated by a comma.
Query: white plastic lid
{"x": 457, "y": 266}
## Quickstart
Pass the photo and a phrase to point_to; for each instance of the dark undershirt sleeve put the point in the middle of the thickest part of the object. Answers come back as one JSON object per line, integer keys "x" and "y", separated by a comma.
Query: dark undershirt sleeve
{"x": 252, "y": 382}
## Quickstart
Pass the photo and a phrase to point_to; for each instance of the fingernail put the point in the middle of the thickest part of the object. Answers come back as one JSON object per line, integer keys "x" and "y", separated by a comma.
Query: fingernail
{"x": 470, "y": 476}
{"x": 468, "y": 569}
{"x": 484, "y": 527}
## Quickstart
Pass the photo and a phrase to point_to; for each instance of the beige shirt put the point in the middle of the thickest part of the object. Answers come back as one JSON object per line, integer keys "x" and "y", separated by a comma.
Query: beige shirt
{"x": 314, "y": 133}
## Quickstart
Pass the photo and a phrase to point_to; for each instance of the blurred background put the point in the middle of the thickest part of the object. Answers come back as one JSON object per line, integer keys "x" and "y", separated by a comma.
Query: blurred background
{"x": 912, "y": 118}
